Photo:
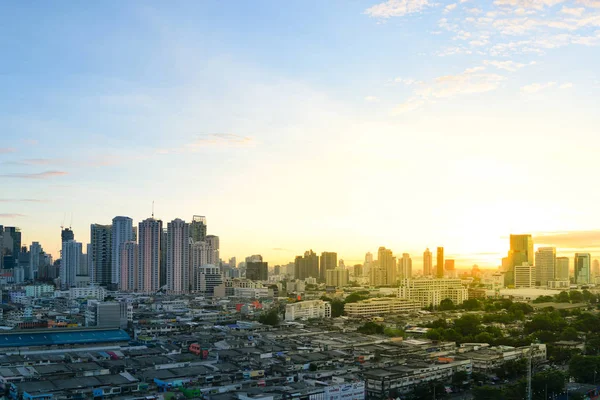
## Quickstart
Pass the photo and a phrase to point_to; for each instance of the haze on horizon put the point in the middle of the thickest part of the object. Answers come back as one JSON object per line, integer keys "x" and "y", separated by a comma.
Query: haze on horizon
{"x": 336, "y": 126}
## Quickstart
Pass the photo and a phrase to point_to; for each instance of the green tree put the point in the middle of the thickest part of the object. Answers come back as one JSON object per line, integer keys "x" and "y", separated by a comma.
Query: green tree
{"x": 584, "y": 369}
{"x": 433, "y": 334}
{"x": 484, "y": 337}
{"x": 270, "y": 317}
{"x": 460, "y": 379}
{"x": 371, "y": 328}
{"x": 546, "y": 383}
{"x": 313, "y": 367}
{"x": 512, "y": 369}
{"x": 446, "y": 305}
{"x": 337, "y": 308}
{"x": 543, "y": 299}
{"x": 471, "y": 304}
{"x": 487, "y": 393}
{"x": 563, "y": 297}
{"x": 355, "y": 297}
{"x": 569, "y": 333}
{"x": 393, "y": 332}
{"x": 576, "y": 296}
{"x": 468, "y": 325}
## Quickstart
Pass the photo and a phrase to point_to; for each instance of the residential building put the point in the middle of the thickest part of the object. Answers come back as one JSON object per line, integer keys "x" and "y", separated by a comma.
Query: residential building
{"x": 427, "y": 263}
{"x": 122, "y": 232}
{"x": 521, "y": 251}
{"x": 257, "y": 270}
{"x": 149, "y": 251}
{"x": 368, "y": 263}
{"x": 69, "y": 263}
{"x": 67, "y": 234}
{"x": 377, "y": 275}
{"x": 307, "y": 310}
{"x": 582, "y": 267}
{"x": 358, "y": 270}
{"x": 381, "y": 306}
{"x": 545, "y": 265}
{"x": 37, "y": 291}
{"x": 430, "y": 292}
{"x": 307, "y": 266}
{"x": 328, "y": 261}
{"x": 198, "y": 228}
{"x": 449, "y": 268}
{"x": 213, "y": 243}
{"x": 405, "y": 266}
{"x": 111, "y": 314}
{"x": 129, "y": 266}
{"x": 35, "y": 259}
{"x": 387, "y": 262}
{"x": 440, "y": 263}
{"x": 206, "y": 279}
{"x": 178, "y": 256}
{"x": 89, "y": 292}
{"x": 561, "y": 272}
{"x": 101, "y": 241}
{"x": 524, "y": 276}
{"x": 490, "y": 359}
{"x": 337, "y": 277}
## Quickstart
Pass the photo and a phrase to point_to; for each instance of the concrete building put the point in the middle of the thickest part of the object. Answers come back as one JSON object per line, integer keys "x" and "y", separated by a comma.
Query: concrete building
{"x": 307, "y": 266}
{"x": 521, "y": 251}
{"x": 545, "y": 265}
{"x": 150, "y": 238}
{"x": 111, "y": 314}
{"x": 524, "y": 276}
{"x": 89, "y": 292}
{"x": 582, "y": 267}
{"x": 122, "y": 232}
{"x": 368, "y": 263}
{"x": 37, "y": 291}
{"x": 405, "y": 266}
{"x": 69, "y": 263}
{"x": 214, "y": 244}
{"x": 328, "y": 261}
{"x": 561, "y": 272}
{"x": 387, "y": 262}
{"x": 427, "y": 263}
{"x": 198, "y": 228}
{"x": 257, "y": 270}
{"x": 337, "y": 277}
{"x": 206, "y": 279}
{"x": 178, "y": 257}
{"x": 449, "y": 268}
{"x": 35, "y": 259}
{"x": 381, "y": 306}
{"x": 440, "y": 263}
{"x": 307, "y": 310}
{"x": 429, "y": 292}
{"x": 101, "y": 241}
{"x": 129, "y": 266}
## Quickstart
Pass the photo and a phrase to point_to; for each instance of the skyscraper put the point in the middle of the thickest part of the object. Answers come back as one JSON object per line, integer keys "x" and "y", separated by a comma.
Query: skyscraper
{"x": 35, "y": 259}
{"x": 69, "y": 263}
{"x": 405, "y": 266}
{"x": 440, "y": 263}
{"x": 129, "y": 261}
{"x": 100, "y": 239}
{"x": 149, "y": 236}
{"x": 307, "y": 266}
{"x": 10, "y": 247}
{"x": 213, "y": 243}
{"x": 198, "y": 228}
{"x": 449, "y": 268}
{"x": 257, "y": 269}
{"x": 427, "y": 263}
{"x": 368, "y": 263}
{"x": 582, "y": 266}
{"x": 545, "y": 265}
{"x": 122, "y": 231}
{"x": 561, "y": 272}
{"x": 387, "y": 262}
{"x": 521, "y": 251}
{"x": 328, "y": 261}
{"x": 178, "y": 256}
{"x": 67, "y": 234}
{"x": 595, "y": 270}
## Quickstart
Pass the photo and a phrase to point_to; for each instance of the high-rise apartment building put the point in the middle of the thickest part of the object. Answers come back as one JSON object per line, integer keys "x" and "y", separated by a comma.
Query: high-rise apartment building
{"x": 150, "y": 239}
{"x": 257, "y": 270}
{"x": 439, "y": 269}
{"x": 35, "y": 259}
{"x": 582, "y": 266}
{"x": 545, "y": 265}
{"x": 429, "y": 292}
{"x": 427, "y": 263}
{"x": 206, "y": 279}
{"x": 524, "y": 275}
{"x": 122, "y": 232}
{"x": 521, "y": 251}
{"x": 307, "y": 266}
{"x": 213, "y": 243}
{"x": 368, "y": 264}
{"x": 69, "y": 263}
{"x": 387, "y": 262}
{"x": 328, "y": 261}
{"x": 178, "y": 256}
{"x": 337, "y": 277}
{"x": 561, "y": 272}
{"x": 10, "y": 247}
{"x": 199, "y": 254}
{"x": 595, "y": 269}
{"x": 449, "y": 268}
{"x": 198, "y": 228}
{"x": 101, "y": 241}
{"x": 66, "y": 234}
{"x": 358, "y": 270}
{"x": 405, "y": 266}
{"x": 129, "y": 261}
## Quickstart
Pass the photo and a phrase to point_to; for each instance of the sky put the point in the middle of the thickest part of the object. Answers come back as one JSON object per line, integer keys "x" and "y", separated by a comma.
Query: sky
{"x": 326, "y": 125}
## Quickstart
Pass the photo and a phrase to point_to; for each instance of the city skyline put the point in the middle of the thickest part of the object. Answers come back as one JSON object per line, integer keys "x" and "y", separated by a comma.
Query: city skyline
{"x": 465, "y": 113}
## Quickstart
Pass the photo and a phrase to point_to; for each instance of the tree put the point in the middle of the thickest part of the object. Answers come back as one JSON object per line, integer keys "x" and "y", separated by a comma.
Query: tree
{"x": 576, "y": 296}
{"x": 433, "y": 334}
{"x": 393, "y": 332}
{"x": 563, "y": 297}
{"x": 371, "y": 328}
{"x": 355, "y": 297}
{"x": 569, "y": 333}
{"x": 337, "y": 308}
{"x": 544, "y": 384}
{"x": 270, "y": 317}
{"x": 468, "y": 325}
{"x": 471, "y": 304}
{"x": 460, "y": 379}
{"x": 484, "y": 337}
{"x": 313, "y": 367}
{"x": 446, "y": 305}
{"x": 487, "y": 393}
{"x": 512, "y": 369}
{"x": 584, "y": 368}
{"x": 543, "y": 299}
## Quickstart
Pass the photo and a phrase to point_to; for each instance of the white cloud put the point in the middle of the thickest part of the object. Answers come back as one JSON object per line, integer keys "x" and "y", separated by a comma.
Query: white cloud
{"x": 509, "y": 65}
{"x": 372, "y": 99}
{"x": 537, "y": 4}
{"x": 449, "y": 7}
{"x": 567, "y": 85}
{"x": 397, "y": 8}
{"x": 590, "y": 3}
{"x": 405, "y": 81}
{"x": 475, "y": 10}
{"x": 537, "y": 87}
{"x": 411, "y": 104}
{"x": 576, "y": 12}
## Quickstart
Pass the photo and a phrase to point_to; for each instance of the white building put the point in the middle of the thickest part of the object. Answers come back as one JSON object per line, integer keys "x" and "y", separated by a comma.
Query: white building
{"x": 524, "y": 276}
{"x": 337, "y": 277}
{"x": 561, "y": 272}
{"x": 206, "y": 279}
{"x": 128, "y": 260}
{"x": 69, "y": 263}
{"x": 545, "y": 265}
{"x": 90, "y": 292}
{"x": 428, "y": 292}
{"x": 307, "y": 310}
{"x": 213, "y": 243}
{"x": 405, "y": 266}
{"x": 38, "y": 290}
{"x": 150, "y": 236}
{"x": 178, "y": 256}
{"x": 35, "y": 259}
{"x": 381, "y": 306}
{"x": 252, "y": 293}
{"x": 122, "y": 231}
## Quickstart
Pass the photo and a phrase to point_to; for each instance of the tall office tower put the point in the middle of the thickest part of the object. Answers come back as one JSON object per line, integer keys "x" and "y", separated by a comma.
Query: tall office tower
{"x": 35, "y": 259}
{"x": 257, "y": 269}
{"x": 561, "y": 272}
{"x": 162, "y": 279}
{"x": 427, "y": 263}
{"x": 358, "y": 270}
{"x": 10, "y": 247}
{"x": 582, "y": 266}
{"x": 198, "y": 228}
{"x": 387, "y": 262}
{"x": 405, "y": 266}
{"x": 149, "y": 250}
{"x": 307, "y": 266}
{"x": 521, "y": 251}
{"x": 595, "y": 269}
{"x": 449, "y": 268}
{"x": 524, "y": 275}
{"x": 328, "y": 261}
{"x": 83, "y": 270}
{"x": 67, "y": 234}
{"x": 199, "y": 254}
{"x": 545, "y": 265}
{"x": 122, "y": 231}
{"x": 69, "y": 263}
{"x": 368, "y": 264}
{"x": 439, "y": 269}
{"x": 233, "y": 262}
{"x": 134, "y": 232}
{"x": 100, "y": 239}
{"x": 178, "y": 256}
{"x": 213, "y": 242}
{"x": 337, "y": 277}
{"x": 129, "y": 259}
{"x": 87, "y": 269}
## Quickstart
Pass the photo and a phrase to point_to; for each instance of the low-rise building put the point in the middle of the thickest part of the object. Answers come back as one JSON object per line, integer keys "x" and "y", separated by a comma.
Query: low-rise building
{"x": 429, "y": 292}
{"x": 381, "y": 306}
{"x": 307, "y": 310}
{"x": 488, "y": 359}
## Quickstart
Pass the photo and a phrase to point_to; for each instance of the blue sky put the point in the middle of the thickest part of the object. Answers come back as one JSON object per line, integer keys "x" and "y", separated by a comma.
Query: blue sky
{"x": 337, "y": 125}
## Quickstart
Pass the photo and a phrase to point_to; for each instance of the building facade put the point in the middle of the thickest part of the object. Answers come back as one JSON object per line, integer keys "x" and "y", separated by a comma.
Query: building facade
{"x": 582, "y": 267}
{"x": 430, "y": 292}
{"x": 69, "y": 263}
{"x": 381, "y": 306}
{"x": 101, "y": 257}
{"x": 122, "y": 231}
{"x": 149, "y": 251}
{"x": 178, "y": 256}
{"x": 307, "y": 310}
{"x": 129, "y": 266}
{"x": 545, "y": 265}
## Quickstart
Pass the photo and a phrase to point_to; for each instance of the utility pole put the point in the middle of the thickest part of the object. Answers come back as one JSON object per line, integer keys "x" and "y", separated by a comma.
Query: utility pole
{"x": 529, "y": 372}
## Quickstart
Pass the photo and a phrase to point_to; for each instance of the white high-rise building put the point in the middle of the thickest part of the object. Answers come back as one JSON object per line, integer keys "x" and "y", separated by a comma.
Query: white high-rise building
{"x": 69, "y": 263}
{"x": 213, "y": 242}
{"x": 405, "y": 266}
{"x": 149, "y": 236}
{"x": 368, "y": 264}
{"x": 561, "y": 272}
{"x": 545, "y": 265}
{"x": 524, "y": 276}
{"x": 178, "y": 256}
{"x": 199, "y": 254}
{"x": 206, "y": 279}
{"x": 582, "y": 267}
{"x": 129, "y": 259}
{"x": 35, "y": 251}
{"x": 122, "y": 231}
{"x": 427, "y": 263}
{"x": 432, "y": 291}
{"x": 337, "y": 277}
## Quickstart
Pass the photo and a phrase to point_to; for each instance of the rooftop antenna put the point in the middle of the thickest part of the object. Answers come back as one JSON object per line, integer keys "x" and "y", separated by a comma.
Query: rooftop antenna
{"x": 71, "y": 224}
{"x": 152, "y": 208}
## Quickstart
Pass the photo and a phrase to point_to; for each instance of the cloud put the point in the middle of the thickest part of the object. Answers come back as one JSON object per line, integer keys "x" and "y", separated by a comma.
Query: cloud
{"x": 569, "y": 239}
{"x": 576, "y": 12}
{"x": 405, "y": 81}
{"x": 590, "y": 3}
{"x": 37, "y": 161}
{"x": 567, "y": 85}
{"x": 450, "y": 7}
{"x": 22, "y": 201}
{"x": 372, "y": 99}
{"x": 507, "y": 65}
{"x": 31, "y": 142}
{"x": 537, "y": 87}
{"x": 397, "y": 8}
{"x": 39, "y": 175}
{"x": 211, "y": 140}
{"x": 536, "y": 4}
{"x": 12, "y": 215}
{"x": 471, "y": 81}
{"x": 6, "y": 150}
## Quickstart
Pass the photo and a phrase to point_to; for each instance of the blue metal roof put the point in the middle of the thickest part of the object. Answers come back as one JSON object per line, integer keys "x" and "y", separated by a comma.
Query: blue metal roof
{"x": 54, "y": 337}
